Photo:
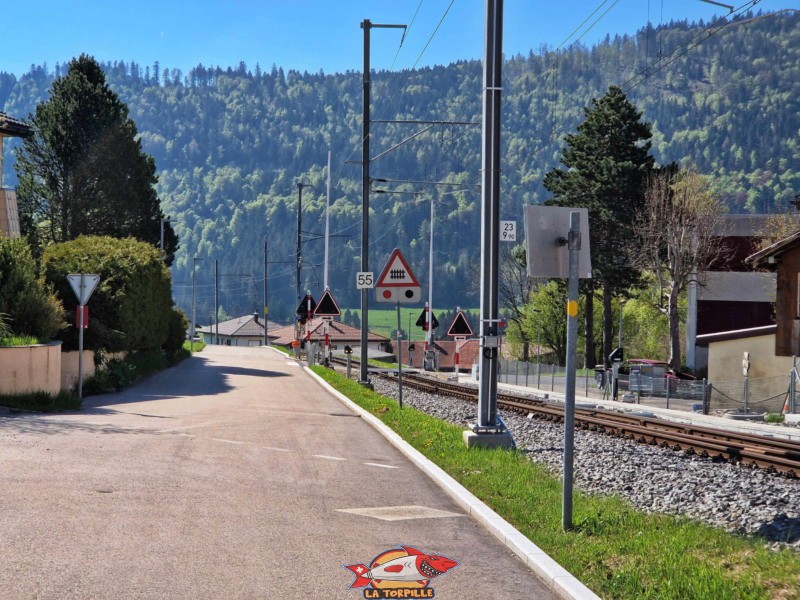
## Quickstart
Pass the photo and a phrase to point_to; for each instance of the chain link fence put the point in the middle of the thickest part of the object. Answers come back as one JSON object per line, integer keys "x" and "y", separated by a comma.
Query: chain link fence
{"x": 759, "y": 395}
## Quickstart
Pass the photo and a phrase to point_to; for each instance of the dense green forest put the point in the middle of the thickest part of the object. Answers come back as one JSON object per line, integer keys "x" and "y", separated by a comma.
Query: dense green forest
{"x": 232, "y": 143}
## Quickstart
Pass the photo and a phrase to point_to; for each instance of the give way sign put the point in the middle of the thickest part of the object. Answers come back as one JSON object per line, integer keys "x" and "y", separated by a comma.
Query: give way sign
{"x": 83, "y": 285}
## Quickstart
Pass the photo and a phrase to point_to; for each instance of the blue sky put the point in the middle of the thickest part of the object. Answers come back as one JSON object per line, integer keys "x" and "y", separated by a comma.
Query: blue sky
{"x": 312, "y": 34}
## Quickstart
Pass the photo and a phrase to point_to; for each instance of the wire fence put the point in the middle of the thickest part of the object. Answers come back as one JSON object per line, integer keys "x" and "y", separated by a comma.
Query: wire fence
{"x": 758, "y": 395}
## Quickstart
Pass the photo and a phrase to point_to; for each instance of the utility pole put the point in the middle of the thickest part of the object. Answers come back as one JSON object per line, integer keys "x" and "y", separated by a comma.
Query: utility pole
{"x": 366, "y": 25}
{"x": 428, "y": 315}
{"x": 299, "y": 238}
{"x": 216, "y": 301}
{"x": 490, "y": 430}
{"x": 266, "y": 310}
{"x": 194, "y": 295}
{"x": 327, "y": 224}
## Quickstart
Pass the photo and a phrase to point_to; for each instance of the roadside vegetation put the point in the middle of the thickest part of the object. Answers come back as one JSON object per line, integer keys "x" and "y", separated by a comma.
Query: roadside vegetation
{"x": 615, "y": 550}
{"x": 41, "y": 401}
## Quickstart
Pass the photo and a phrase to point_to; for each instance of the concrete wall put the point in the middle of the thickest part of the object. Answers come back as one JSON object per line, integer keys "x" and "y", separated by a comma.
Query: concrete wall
{"x": 725, "y": 359}
{"x": 30, "y": 369}
{"x": 69, "y": 366}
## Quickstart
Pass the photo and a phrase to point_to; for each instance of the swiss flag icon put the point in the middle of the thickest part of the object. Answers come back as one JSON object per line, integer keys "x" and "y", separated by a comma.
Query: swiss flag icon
{"x": 397, "y": 282}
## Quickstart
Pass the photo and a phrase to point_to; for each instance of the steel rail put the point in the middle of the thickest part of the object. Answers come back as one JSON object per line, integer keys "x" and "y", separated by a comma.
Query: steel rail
{"x": 777, "y": 455}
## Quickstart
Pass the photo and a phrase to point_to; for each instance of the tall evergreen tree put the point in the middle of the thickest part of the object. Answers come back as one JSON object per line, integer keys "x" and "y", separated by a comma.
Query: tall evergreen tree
{"x": 83, "y": 172}
{"x": 607, "y": 163}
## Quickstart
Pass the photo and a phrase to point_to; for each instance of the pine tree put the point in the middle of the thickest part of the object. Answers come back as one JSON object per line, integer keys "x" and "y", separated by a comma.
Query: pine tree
{"x": 83, "y": 172}
{"x": 607, "y": 163}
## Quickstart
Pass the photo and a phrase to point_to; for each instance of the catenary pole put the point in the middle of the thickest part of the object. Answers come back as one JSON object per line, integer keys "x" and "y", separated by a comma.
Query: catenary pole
{"x": 490, "y": 219}
{"x": 428, "y": 315}
{"x": 366, "y": 25}
{"x": 327, "y": 223}
{"x": 299, "y": 239}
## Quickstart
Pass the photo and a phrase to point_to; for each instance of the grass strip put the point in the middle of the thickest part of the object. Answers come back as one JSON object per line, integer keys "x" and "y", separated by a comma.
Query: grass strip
{"x": 41, "y": 401}
{"x": 615, "y": 550}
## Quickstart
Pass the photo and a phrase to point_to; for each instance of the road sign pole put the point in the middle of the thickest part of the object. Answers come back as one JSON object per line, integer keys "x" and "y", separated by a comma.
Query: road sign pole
{"x": 399, "y": 360}
{"x": 80, "y": 346}
{"x": 574, "y": 242}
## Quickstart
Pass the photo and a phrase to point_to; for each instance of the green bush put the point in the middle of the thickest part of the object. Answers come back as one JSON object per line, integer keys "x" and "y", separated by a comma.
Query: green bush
{"x": 131, "y": 308}
{"x": 116, "y": 374}
{"x": 29, "y": 306}
{"x": 176, "y": 332}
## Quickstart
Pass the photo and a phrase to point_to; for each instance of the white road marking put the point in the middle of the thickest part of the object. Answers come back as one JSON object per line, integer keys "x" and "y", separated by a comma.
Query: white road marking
{"x": 328, "y": 457}
{"x": 400, "y": 513}
{"x": 187, "y": 435}
{"x": 381, "y": 466}
{"x": 176, "y": 429}
{"x": 276, "y": 449}
{"x": 226, "y": 441}
{"x": 292, "y": 363}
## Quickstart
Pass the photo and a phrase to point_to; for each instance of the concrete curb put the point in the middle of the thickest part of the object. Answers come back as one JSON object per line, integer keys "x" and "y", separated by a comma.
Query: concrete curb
{"x": 556, "y": 577}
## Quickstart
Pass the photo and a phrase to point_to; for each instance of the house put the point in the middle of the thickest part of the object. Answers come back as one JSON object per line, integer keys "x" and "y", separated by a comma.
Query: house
{"x": 770, "y": 347}
{"x": 783, "y": 257}
{"x": 731, "y": 295}
{"x": 242, "y": 331}
{"x": 340, "y": 335}
{"x": 9, "y": 216}
{"x": 445, "y": 354}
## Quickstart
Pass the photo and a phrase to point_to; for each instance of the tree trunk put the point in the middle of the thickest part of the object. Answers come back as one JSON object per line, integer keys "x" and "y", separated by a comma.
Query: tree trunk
{"x": 608, "y": 322}
{"x": 674, "y": 331}
{"x": 590, "y": 360}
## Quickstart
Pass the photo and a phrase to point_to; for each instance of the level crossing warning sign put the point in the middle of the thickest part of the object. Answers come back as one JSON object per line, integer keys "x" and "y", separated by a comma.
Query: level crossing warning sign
{"x": 460, "y": 326}
{"x": 397, "y": 282}
{"x": 327, "y": 307}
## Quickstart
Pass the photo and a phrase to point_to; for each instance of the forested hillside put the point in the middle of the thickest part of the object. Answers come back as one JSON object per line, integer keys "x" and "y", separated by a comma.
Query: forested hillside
{"x": 231, "y": 144}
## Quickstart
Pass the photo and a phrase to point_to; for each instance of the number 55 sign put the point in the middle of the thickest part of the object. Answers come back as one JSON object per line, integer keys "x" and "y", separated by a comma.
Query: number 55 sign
{"x": 364, "y": 280}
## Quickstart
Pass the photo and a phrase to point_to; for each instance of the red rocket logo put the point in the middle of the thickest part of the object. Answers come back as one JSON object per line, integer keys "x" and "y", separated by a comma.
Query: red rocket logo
{"x": 406, "y": 569}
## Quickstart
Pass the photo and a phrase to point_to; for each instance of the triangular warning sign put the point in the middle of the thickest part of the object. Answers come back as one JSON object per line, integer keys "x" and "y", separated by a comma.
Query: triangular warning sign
{"x": 306, "y": 309}
{"x": 459, "y": 326}
{"x": 421, "y": 321}
{"x": 327, "y": 307}
{"x": 397, "y": 282}
{"x": 397, "y": 273}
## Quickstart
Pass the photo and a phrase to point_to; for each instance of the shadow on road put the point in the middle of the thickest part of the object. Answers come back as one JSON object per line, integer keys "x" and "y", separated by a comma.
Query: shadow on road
{"x": 194, "y": 377}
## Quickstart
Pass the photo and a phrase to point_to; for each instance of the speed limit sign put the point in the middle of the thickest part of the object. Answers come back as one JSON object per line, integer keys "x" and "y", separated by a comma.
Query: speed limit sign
{"x": 364, "y": 280}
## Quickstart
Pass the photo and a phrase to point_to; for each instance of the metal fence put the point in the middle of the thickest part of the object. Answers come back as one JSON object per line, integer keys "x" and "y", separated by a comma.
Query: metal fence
{"x": 768, "y": 394}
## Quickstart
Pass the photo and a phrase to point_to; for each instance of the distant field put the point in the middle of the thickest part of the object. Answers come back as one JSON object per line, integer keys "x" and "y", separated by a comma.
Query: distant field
{"x": 384, "y": 321}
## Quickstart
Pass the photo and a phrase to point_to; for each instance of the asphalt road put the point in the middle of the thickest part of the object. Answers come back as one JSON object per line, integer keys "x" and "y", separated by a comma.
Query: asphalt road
{"x": 225, "y": 477}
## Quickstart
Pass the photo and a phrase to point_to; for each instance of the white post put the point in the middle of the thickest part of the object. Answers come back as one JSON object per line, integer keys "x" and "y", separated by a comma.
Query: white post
{"x": 691, "y": 323}
{"x": 428, "y": 317}
{"x": 327, "y": 224}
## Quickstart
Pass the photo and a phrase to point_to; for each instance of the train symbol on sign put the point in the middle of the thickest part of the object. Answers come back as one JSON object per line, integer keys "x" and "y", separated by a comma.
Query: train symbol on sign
{"x": 397, "y": 282}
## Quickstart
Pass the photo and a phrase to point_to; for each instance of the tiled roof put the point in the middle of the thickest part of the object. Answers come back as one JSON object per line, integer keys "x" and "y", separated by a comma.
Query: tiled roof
{"x": 338, "y": 331}
{"x": 242, "y": 327}
{"x": 13, "y": 127}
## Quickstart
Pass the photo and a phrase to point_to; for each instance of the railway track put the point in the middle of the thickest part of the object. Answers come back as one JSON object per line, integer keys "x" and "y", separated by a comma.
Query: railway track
{"x": 776, "y": 455}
